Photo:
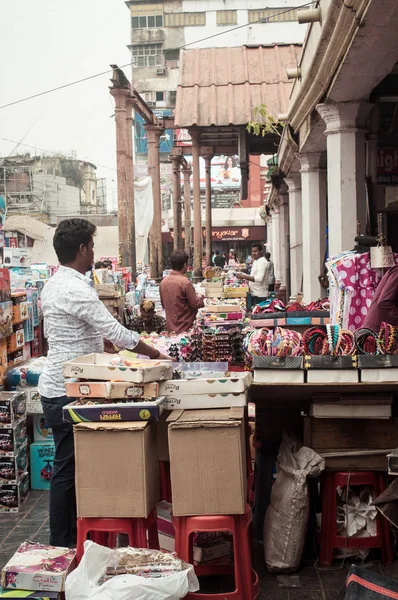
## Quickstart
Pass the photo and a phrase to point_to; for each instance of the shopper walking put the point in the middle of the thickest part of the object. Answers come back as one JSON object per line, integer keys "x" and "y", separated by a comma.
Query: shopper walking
{"x": 178, "y": 295}
{"x": 76, "y": 322}
{"x": 258, "y": 278}
{"x": 219, "y": 260}
{"x": 271, "y": 272}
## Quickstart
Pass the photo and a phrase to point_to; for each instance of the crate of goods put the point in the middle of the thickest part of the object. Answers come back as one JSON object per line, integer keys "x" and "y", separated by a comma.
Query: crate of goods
{"x": 12, "y": 408}
{"x": 332, "y": 369}
{"x": 6, "y": 319}
{"x": 19, "y": 306}
{"x": 38, "y": 567}
{"x": 108, "y": 290}
{"x": 111, "y": 390}
{"x": 123, "y": 488}
{"x": 87, "y": 410}
{"x": 202, "y": 481}
{"x": 41, "y": 464}
{"x": 237, "y": 383}
{"x": 13, "y": 438}
{"x": 14, "y": 495}
{"x": 278, "y": 369}
{"x": 14, "y": 468}
{"x": 107, "y": 367}
{"x": 41, "y": 431}
{"x": 235, "y": 292}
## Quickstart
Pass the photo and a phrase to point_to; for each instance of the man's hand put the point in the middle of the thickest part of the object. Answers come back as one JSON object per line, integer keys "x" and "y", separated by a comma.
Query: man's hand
{"x": 240, "y": 275}
{"x": 165, "y": 357}
{"x": 109, "y": 348}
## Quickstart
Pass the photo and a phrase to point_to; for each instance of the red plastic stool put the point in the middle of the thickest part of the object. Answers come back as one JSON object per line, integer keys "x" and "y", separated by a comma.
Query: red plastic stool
{"x": 165, "y": 481}
{"x": 329, "y": 539}
{"x": 107, "y": 529}
{"x": 246, "y": 579}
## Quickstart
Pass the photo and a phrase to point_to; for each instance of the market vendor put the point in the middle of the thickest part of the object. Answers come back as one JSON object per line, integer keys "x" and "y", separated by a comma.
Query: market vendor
{"x": 76, "y": 322}
{"x": 178, "y": 295}
{"x": 384, "y": 306}
{"x": 258, "y": 278}
{"x": 148, "y": 321}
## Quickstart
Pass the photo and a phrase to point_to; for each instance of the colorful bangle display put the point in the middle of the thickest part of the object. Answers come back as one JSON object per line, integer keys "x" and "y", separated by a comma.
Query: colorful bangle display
{"x": 366, "y": 341}
{"x": 277, "y": 342}
{"x": 387, "y": 341}
{"x": 330, "y": 340}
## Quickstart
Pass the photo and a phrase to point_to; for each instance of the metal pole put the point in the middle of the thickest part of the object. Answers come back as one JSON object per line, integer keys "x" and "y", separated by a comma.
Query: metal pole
{"x": 208, "y": 209}
{"x": 197, "y": 216}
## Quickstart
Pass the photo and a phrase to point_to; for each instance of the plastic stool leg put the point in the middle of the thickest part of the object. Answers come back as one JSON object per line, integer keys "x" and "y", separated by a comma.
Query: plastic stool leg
{"x": 328, "y": 519}
{"x": 81, "y": 538}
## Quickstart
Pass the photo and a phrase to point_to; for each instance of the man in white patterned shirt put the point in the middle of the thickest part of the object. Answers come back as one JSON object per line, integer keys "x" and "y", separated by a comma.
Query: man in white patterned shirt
{"x": 75, "y": 323}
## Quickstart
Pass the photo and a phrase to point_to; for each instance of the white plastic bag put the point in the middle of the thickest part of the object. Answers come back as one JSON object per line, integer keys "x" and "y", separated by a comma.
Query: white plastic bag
{"x": 286, "y": 519}
{"x": 83, "y": 582}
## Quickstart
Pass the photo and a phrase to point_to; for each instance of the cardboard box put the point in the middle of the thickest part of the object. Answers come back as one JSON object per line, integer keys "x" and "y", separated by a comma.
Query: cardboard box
{"x": 13, "y": 438}
{"x": 208, "y": 462}
{"x": 117, "y": 470}
{"x": 19, "y": 306}
{"x": 44, "y": 568}
{"x": 12, "y": 408}
{"x": 332, "y": 376}
{"x": 33, "y": 402}
{"x": 379, "y": 375}
{"x": 350, "y": 410}
{"x": 6, "y": 319}
{"x": 41, "y": 431}
{"x": 99, "y": 366}
{"x": 14, "y": 495}
{"x": 5, "y": 285}
{"x": 113, "y": 411}
{"x": 41, "y": 464}
{"x": 111, "y": 390}
{"x": 16, "y": 339}
{"x": 29, "y": 594}
{"x": 14, "y": 468}
{"x": 202, "y": 401}
{"x": 267, "y": 376}
{"x": 17, "y": 257}
{"x": 237, "y": 384}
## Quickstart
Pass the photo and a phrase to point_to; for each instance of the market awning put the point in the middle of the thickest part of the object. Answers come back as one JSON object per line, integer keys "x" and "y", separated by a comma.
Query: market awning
{"x": 220, "y": 87}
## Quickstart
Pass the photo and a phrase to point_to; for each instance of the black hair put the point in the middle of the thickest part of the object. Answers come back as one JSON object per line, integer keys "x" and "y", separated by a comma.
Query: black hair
{"x": 259, "y": 246}
{"x": 268, "y": 255}
{"x": 69, "y": 236}
{"x": 234, "y": 162}
{"x": 178, "y": 259}
{"x": 99, "y": 265}
{"x": 217, "y": 252}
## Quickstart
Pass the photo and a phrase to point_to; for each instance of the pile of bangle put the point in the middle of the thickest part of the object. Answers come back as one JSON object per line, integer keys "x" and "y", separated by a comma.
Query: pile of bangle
{"x": 330, "y": 340}
{"x": 365, "y": 341}
{"x": 277, "y": 342}
{"x": 387, "y": 341}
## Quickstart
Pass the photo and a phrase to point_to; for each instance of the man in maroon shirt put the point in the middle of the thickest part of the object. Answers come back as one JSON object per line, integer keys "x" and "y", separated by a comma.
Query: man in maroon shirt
{"x": 384, "y": 307}
{"x": 178, "y": 295}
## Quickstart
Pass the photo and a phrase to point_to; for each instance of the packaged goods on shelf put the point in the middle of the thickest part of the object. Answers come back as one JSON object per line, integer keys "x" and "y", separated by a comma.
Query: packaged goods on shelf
{"x": 37, "y": 566}
{"x": 6, "y": 319}
{"x": 16, "y": 340}
{"x": 13, "y": 438}
{"x": 41, "y": 464}
{"x": 32, "y": 295}
{"x": 5, "y": 285}
{"x": 88, "y": 410}
{"x": 14, "y": 495}
{"x": 15, "y": 358}
{"x": 19, "y": 306}
{"x": 28, "y": 325}
{"x": 33, "y": 401}
{"x": 14, "y": 468}
{"x": 41, "y": 431}
{"x": 17, "y": 257}
{"x": 12, "y": 408}
{"x": 105, "y": 367}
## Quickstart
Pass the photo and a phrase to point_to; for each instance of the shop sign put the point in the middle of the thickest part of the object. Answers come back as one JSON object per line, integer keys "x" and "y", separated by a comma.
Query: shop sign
{"x": 387, "y": 166}
{"x": 229, "y": 235}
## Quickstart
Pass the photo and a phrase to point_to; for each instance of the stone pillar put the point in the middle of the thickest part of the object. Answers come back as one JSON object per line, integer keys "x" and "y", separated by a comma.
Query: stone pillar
{"x": 313, "y": 185}
{"x": 187, "y": 209}
{"x": 345, "y": 133}
{"x": 197, "y": 214}
{"x": 276, "y": 249}
{"x": 284, "y": 241}
{"x": 155, "y": 235}
{"x": 208, "y": 158}
{"x": 293, "y": 183}
{"x": 130, "y": 190}
{"x": 177, "y": 245}
{"x": 120, "y": 95}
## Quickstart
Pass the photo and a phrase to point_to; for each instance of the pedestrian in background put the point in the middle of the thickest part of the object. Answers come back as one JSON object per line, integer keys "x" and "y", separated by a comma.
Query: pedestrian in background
{"x": 271, "y": 272}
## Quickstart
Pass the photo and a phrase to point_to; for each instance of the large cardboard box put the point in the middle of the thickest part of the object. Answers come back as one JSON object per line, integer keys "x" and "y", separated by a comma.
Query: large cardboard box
{"x": 117, "y": 470}
{"x": 102, "y": 367}
{"x": 112, "y": 390}
{"x": 204, "y": 401}
{"x": 208, "y": 461}
{"x": 234, "y": 384}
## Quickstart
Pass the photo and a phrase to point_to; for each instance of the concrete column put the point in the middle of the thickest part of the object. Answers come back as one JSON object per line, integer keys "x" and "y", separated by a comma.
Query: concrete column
{"x": 268, "y": 225}
{"x": 177, "y": 203}
{"x": 293, "y": 183}
{"x": 187, "y": 209}
{"x": 276, "y": 249}
{"x": 155, "y": 235}
{"x": 284, "y": 240}
{"x": 130, "y": 189}
{"x": 313, "y": 185}
{"x": 197, "y": 216}
{"x": 345, "y": 133}
{"x": 208, "y": 158}
{"x": 120, "y": 95}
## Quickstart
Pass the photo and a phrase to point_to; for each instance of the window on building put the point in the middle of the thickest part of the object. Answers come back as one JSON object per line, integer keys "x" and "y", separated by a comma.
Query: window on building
{"x": 148, "y": 15}
{"x": 159, "y": 96}
{"x": 273, "y": 15}
{"x": 227, "y": 17}
{"x": 173, "y": 54}
{"x": 184, "y": 19}
{"x": 147, "y": 55}
{"x": 172, "y": 98}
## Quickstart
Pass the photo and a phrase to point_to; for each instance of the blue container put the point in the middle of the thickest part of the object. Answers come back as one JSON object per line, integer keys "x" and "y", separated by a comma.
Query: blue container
{"x": 41, "y": 465}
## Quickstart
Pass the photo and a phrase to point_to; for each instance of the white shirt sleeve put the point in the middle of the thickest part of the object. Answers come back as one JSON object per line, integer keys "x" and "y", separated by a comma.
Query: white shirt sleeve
{"x": 261, "y": 270}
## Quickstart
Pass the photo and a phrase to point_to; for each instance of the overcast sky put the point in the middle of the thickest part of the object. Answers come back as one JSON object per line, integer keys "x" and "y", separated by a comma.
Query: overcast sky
{"x": 46, "y": 43}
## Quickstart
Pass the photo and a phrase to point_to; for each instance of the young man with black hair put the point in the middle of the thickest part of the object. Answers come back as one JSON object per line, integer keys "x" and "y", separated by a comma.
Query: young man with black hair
{"x": 258, "y": 278}
{"x": 76, "y": 322}
{"x": 178, "y": 295}
{"x": 271, "y": 272}
{"x": 219, "y": 260}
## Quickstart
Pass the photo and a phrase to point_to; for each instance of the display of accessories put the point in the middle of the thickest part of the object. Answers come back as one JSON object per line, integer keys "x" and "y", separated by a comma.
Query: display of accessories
{"x": 277, "y": 342}
{"x": 328, "y": 340}
{"x": 365, "y": 341}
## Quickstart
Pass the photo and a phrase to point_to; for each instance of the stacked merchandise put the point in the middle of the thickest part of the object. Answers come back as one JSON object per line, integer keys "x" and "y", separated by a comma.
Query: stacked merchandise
{"x": 14, "y": 478}
{"x": 235, "y": 288}
{"x": 213, "y": 288}
{"x": 111, "y": 287}
{"x": 221, "y": 314}
{"x": 273, "y": 312}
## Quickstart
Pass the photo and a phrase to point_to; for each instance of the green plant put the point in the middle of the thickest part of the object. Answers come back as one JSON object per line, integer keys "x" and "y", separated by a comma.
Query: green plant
{"x": 264, "y": 123}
